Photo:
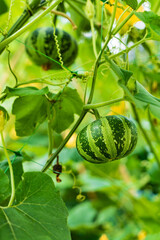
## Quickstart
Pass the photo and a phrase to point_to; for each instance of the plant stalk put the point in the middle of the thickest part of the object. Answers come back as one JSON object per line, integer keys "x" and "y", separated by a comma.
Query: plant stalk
{"x": 145, "y": 134}
{"x": 102, "y": 104}
{"x": 54, "y": 155}
{"x": 11, "y": 172}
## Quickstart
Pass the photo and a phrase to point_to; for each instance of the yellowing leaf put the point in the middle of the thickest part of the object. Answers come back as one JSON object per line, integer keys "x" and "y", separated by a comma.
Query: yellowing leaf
{"x": 104, "y": 237}
{"x": 118, "y": 109}
{"x": 72, "y": 141}
{"x": 142, "y": 235}
{"x": 120, "y": 9}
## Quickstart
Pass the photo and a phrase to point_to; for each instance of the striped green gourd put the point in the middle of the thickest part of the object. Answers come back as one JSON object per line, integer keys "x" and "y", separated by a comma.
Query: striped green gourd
{"x": 41, "y": 47}
{"x": 107, "y": 139}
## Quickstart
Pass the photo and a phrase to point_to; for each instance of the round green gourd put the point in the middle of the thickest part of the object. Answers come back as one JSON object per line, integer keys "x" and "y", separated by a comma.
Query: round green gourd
{"x": 107, "y": 139}
{"x": 41, "y": 43}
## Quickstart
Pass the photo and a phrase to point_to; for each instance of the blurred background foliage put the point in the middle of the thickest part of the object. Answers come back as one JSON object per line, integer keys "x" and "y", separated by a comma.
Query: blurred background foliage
{"x": 114, "y": 201}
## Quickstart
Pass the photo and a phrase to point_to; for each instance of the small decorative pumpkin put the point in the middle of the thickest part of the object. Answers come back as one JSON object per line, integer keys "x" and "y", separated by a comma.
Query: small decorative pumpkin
{"x": 41, "y": 47}
{"x": 107, "y": 139}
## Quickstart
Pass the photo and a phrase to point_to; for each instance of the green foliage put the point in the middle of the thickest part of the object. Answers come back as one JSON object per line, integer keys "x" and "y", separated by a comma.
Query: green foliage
{"x": 68, "y": 104}
{"x": 132, "y": 3}
{"x": 29, "y": 111}
{"x": 43, "y": 112}
{"x": 152, "y": 21}
{"x": 4, "y": 7}
{"x": 37, "y": 206}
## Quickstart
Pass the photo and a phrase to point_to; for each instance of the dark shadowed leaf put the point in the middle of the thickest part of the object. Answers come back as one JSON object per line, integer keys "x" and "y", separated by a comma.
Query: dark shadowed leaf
{"x": 68, "y": 104}
{"x": 132, "y": 3}
{"x": 29, "y": 111}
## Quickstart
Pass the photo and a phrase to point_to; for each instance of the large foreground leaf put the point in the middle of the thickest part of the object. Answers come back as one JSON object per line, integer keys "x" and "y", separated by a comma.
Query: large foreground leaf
{"x": 38, "y": 213}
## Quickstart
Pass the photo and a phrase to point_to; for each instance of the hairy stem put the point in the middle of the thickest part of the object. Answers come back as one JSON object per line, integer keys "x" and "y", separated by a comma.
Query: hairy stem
{"x": 11, "y": 172}
{"x": 102, "y": 104}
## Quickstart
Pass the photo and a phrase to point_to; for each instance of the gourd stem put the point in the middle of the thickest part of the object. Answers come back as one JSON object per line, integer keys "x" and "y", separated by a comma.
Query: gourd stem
{"x": 100, "y": 54}
{"x": 95, "y": 71}
{"x": 54, "y": 155}
{"x": 11, "y": 172}
{"x": 145, "y": 134}
{"x": 27, "y": 26}
{"x": 102, "y": 104}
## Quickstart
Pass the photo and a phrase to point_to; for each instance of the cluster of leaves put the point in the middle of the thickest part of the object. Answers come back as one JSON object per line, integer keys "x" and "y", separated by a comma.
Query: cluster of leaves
{"x": 122, "y": 198}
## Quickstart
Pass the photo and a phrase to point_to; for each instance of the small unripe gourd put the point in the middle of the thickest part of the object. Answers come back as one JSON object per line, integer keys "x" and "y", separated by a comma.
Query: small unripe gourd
{"x": 107, "y": 139}
{"x": 41, "y": 47}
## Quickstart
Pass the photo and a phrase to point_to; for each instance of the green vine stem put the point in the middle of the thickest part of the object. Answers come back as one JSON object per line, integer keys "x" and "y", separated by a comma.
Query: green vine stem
{"x": 27, "y": 13}
{"x": 152, "y": 127}
{"x": 11, "y": 172}
{"x": 130, "y": 48}
{"x": 113, "y": 17}
{"x": 102, "y": 104}
{"x": 42, "y": 81}
{"x": 93, "y": 37}
{"x": 50, "y": 160}
{"x": 145, "y": 134}
{"x": 50, "y": 131}
{"x": 27, "y": 26}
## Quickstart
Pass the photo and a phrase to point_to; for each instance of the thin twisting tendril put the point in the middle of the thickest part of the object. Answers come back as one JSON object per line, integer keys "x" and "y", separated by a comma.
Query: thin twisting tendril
{"x": 57, "y": 43}
{"x": 10, "y": 68}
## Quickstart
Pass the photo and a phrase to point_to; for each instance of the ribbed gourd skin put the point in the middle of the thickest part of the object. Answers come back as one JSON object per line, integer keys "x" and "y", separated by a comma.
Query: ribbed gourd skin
{"x": 106, "y": 139}
{"x": 41, "y": 42}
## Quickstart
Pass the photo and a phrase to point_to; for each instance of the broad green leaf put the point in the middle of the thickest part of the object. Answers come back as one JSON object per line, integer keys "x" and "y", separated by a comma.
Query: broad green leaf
{"x": 143, "y": 95}
{"x": 17, "y": 168}
{"x": 18, "y": 171}
{"x": 4, "y": 186}
{"x": 3, "y": 7}
{"x": 29, "y": 111}
{"x": 21, "y": 92}
{"x": 132, "y": 3}
{"x": 155, "y": 111}
{"x": 151, "y": 19}
{"x": 67, "y": 104}
{"x": 76, "y": 215}
{"x": 38, "y": 212}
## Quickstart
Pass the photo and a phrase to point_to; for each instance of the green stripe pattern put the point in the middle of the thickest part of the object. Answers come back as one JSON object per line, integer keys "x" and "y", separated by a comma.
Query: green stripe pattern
{"x": 40, "y": 47}
{"x": 107, "y": 139}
